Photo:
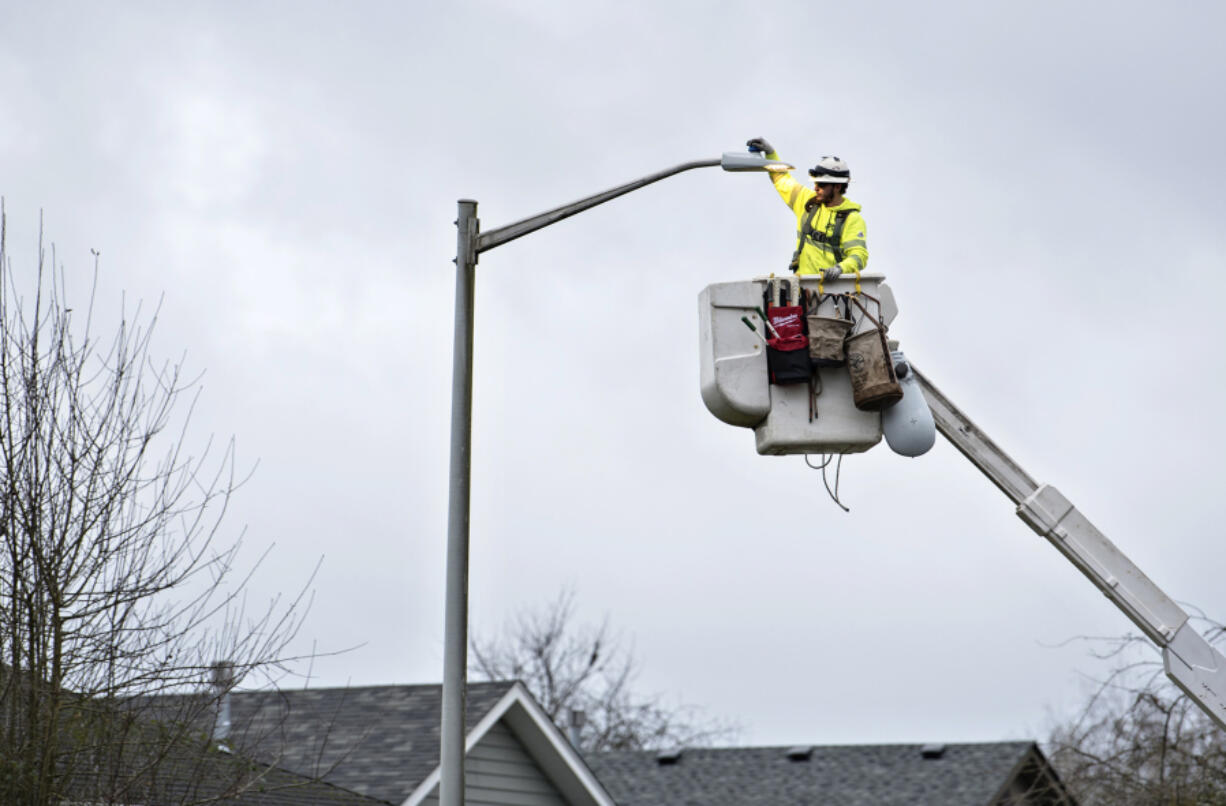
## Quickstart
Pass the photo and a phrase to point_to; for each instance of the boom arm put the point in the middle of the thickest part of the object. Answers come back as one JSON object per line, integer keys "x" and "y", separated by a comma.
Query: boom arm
{"x": 1190, "y": 661}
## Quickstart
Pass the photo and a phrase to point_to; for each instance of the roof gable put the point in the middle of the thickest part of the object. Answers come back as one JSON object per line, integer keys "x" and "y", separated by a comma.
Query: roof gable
{"x": 498, "y": 769}
{"x": 544, "y": 744}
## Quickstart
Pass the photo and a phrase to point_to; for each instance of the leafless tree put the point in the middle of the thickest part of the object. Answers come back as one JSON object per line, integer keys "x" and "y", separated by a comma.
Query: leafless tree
{"x": 114, "y": 584}
{"x": 583, "y": 677}
{"x": 1139, "y": 740}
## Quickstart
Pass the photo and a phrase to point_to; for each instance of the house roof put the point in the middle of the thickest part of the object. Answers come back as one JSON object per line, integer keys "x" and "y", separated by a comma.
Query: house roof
{"x": 181, "y": 770}
{"x": 379, "y": 741}
{"x": 240, "y": 782}
{"x": 282, "y": 788}
{"x": 138, "y": 751}
{"x": 849, "y": 775}
{"x": 383, "y": 741}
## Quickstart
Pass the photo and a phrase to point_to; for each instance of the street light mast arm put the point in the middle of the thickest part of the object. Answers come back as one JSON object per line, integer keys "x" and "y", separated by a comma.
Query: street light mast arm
{"x": 497, "y": 237}
{"x": 471, "y": 242}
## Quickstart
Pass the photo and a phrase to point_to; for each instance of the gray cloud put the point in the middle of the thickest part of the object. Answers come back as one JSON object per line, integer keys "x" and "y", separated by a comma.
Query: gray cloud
{"x": 1040, "y": 185}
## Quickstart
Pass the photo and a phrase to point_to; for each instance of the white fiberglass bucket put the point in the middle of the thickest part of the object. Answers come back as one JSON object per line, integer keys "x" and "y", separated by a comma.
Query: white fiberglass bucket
{"x": 736, "y": 387}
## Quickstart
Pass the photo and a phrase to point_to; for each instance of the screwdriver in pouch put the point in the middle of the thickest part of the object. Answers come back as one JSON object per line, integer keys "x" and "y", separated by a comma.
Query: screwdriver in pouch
{"x": 767, "y": 322}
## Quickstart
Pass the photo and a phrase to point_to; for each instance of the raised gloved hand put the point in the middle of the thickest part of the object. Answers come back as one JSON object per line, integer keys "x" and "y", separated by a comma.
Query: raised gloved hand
{"x": 760, "y": 145}
{"x": 832, "y": 273}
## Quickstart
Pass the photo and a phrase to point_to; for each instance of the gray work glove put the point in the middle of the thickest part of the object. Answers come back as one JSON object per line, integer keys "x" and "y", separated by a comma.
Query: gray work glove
{"x": 832, "y": 273}
{"x": 759, "y": 145}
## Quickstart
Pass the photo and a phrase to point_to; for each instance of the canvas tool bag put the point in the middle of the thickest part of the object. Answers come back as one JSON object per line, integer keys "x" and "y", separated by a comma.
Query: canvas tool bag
{"x": 827, "y": 334}
{"x": 874, "y": 384}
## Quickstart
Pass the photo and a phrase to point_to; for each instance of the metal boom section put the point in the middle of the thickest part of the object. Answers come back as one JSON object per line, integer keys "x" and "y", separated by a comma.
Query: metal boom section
{"x": 1190, "y": 661}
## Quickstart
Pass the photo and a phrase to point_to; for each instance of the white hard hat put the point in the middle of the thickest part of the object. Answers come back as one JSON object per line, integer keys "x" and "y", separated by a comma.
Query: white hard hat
{"x": 831, "y": 170}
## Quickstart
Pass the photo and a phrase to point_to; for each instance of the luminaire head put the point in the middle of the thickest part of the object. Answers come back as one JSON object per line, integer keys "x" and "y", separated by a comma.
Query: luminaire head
{"x": 739, "y": 161}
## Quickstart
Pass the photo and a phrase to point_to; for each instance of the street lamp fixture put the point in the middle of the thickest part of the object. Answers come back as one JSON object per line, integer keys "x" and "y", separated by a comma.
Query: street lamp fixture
{"x": 470, "y": 243}
{"x": 738, "y": 161}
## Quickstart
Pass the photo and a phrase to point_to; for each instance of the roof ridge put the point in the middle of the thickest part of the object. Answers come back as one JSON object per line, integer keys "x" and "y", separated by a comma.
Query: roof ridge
{"x": 832, "y": 745}
{"x": 374, "y": 686}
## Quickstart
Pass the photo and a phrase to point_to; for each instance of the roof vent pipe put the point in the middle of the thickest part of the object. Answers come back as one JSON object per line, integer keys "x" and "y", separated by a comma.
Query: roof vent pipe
{"x": 223, "y": 683}
{"x": 801, "y": 752}
{"x": 932, "y": 750}
{"x": 578, "y": 718}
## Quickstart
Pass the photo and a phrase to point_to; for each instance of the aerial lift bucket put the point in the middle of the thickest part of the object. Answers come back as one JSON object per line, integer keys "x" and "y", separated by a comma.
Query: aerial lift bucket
{"x": 735, "y": 382}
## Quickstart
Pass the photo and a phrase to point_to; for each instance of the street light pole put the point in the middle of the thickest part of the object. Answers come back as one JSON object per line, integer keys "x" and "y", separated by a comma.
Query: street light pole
{"x": 455, "y": 630}
{"x": 470, "y": 243}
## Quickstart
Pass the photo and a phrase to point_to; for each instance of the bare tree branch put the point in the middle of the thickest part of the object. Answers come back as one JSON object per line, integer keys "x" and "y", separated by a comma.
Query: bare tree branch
{"x": 114, "y": 584}
{"x": 584, "y": 671}
{"x": 1139, "y": 740}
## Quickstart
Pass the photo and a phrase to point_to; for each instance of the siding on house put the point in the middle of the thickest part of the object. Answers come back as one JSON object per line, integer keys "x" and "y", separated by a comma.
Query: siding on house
{"x": 499, "y": 772}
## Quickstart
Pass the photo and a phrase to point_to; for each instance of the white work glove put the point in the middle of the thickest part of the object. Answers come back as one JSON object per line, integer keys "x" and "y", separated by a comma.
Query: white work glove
{"x": 832, "y": 273}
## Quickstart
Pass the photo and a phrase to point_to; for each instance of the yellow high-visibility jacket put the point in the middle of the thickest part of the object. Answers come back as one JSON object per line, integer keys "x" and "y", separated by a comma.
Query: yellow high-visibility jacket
{"x": 819, "y": 252}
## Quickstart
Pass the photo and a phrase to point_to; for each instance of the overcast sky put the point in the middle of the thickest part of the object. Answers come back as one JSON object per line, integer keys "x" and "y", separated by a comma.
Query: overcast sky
{"x": 1041, "y": 183}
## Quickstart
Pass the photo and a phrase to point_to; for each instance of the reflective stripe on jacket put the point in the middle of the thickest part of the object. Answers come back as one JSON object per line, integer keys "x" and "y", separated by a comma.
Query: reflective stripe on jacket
{"x": 816, "y": 255}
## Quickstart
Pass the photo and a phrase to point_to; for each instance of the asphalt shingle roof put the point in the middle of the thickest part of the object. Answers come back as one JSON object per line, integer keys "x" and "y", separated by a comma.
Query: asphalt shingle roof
{"x": 186, "y": 770}
{"x": 380, "y": 741}
{"x": 849, "y": 775}
{"x": 212, "y": 775}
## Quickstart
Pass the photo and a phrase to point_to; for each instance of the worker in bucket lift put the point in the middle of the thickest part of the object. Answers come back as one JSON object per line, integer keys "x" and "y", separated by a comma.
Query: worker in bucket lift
{"x": 830, "y": 231}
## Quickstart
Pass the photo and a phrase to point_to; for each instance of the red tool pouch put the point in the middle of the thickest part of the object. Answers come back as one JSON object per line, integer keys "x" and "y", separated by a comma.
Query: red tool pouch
{"x": 787, "y": 351}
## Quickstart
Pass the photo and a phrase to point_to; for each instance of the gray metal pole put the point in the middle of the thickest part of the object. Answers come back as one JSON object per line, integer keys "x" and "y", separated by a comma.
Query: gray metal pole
{"x": 455, "y": 634}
